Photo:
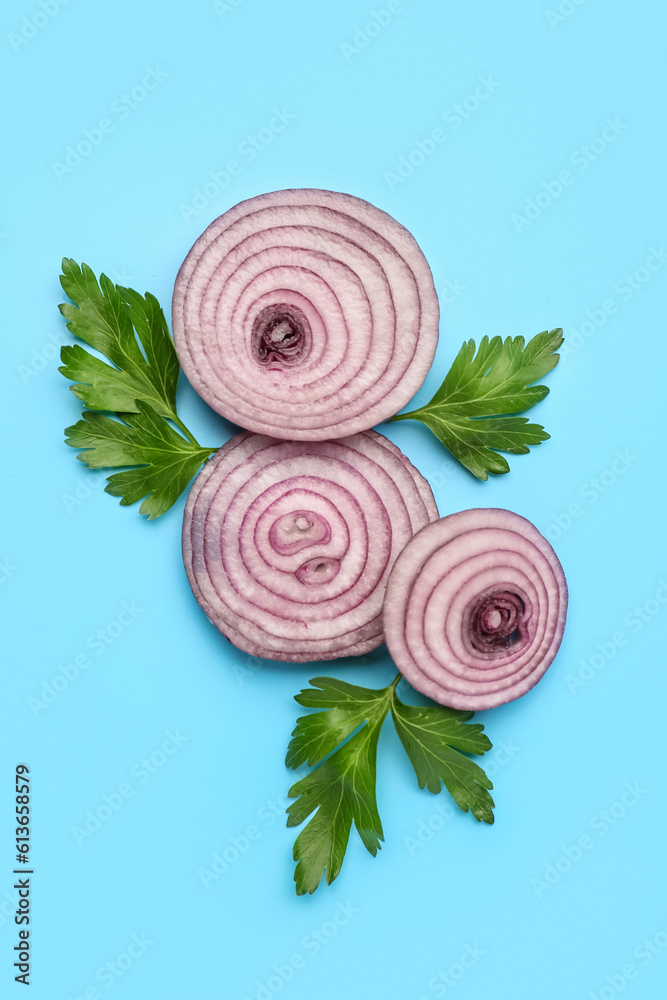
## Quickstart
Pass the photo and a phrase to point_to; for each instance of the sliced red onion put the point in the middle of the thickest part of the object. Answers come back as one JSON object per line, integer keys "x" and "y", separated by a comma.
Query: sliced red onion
{"x": 475, "y": 608}
{"x": 305, "y": 315}
{"x": 288, "y": 545}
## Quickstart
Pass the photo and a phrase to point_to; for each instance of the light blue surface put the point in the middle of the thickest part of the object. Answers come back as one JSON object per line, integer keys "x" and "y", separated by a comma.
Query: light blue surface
{"x": 566, "y": 752}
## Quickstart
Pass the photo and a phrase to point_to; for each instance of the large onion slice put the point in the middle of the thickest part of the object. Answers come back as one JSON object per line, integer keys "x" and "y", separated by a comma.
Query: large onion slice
{"x": 305, "y": 314}
{"x": 288, "y": 545}
{"x": 475, "y": 608}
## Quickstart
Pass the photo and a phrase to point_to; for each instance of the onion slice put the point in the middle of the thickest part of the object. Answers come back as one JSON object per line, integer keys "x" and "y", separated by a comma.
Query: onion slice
{"x": 306, "y": 315}
{"x": 475, "y": 608}
{"x": 288, "y": 545}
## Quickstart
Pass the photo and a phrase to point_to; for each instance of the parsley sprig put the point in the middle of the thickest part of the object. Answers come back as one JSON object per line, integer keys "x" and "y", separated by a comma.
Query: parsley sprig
{"x": 469, "y": 411}
{"x": 138, "y": 384}
{"x": 342, "y": 742}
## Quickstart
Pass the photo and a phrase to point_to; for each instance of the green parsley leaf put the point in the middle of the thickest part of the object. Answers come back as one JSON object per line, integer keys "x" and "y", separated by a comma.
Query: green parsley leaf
{"x": 106, "y": 317}
{"x": 139, "y": 385}
{"x": 167, "y": 460}
{"x": 436, "y": 740}
{"x": 342, "y": 740}
{"x": 317, "y": 735}
{"x": 342, "y": 789}
{"x": 468, "y": 412}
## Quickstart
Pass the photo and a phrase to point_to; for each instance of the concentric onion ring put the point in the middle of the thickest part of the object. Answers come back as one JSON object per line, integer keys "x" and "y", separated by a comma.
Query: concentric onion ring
{"x": 288, "y": 545}
{"x": 305, "y": 314}
{"x": 475, "y": 608}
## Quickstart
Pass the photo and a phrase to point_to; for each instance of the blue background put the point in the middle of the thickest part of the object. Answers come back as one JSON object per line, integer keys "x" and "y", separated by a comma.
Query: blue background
{"x": 514, "y": 250}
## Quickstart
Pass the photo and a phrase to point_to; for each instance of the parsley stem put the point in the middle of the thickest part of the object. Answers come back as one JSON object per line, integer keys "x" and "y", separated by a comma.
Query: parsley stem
{"x": 391, "y": 690}
{"x": 179, "y": 423}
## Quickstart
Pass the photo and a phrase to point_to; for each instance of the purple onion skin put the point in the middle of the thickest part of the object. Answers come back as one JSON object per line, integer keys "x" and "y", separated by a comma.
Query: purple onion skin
{"x": 288, "y": 545}
{"x": 305, "y": 315}
{"x": 475, "y": 608}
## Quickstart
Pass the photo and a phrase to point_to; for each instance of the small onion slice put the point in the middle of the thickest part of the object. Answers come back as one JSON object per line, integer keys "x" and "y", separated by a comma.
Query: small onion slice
{"x": 475, "y": 608}
{"x": 288, "y": 545}
{"x": 306, "y": 315}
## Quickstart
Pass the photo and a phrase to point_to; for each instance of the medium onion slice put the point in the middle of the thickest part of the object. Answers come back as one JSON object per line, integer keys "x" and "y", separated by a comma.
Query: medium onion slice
{"x": 306, "y": 315}
{"x": 288, "y": 545}
{"x": 475, "y": 608}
